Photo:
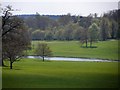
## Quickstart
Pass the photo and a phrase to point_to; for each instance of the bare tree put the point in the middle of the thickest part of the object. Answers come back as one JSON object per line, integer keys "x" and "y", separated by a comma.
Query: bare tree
{"x": 43, "y": 50}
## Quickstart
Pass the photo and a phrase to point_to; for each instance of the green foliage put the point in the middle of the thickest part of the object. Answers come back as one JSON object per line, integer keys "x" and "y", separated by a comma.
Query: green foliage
{"x": 104, "y": 29}
{"x": 66, "y": 26}
{"x": 65, "y": 19}
{"x": 93, "y": 33}
{"x": 33, "y": 73}
{"x": 38, "y": 35}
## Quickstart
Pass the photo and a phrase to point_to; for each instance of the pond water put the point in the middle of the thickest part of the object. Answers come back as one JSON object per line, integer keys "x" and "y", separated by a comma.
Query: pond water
{"x": 70, "y": 59}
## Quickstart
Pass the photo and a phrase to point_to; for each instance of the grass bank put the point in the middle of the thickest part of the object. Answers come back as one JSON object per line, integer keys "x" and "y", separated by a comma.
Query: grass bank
{"x": 33, "y": 73}
{"x": 104, "y": 50}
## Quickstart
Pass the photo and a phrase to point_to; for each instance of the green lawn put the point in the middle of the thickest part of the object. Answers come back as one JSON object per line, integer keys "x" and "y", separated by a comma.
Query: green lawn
{"x": 33, "y": 73}
{"x": 104, "y": 50}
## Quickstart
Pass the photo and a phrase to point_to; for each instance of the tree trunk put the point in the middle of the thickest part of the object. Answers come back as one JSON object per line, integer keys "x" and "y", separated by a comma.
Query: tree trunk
{"x": 11, "y": 64}
{"x": 43, "y": 58}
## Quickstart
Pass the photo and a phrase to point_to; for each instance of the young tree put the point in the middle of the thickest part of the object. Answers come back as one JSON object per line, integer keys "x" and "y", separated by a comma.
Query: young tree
{"x": 43, "y": 50}
{"x": 93, "y": 33}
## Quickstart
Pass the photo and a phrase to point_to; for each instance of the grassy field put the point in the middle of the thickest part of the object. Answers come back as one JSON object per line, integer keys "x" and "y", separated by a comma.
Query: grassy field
{"x": 33, "y": 73}
{"x": 104, "y": 50}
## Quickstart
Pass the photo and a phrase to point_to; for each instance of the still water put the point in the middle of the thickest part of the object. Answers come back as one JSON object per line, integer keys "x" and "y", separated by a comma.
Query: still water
{"x": 70, "y": 59}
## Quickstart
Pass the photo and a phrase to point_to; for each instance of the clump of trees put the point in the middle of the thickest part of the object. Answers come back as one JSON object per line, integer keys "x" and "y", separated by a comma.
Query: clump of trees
{"x": 68, "y": 27}
{"x": 15, "y": 36}
{"x": 43, "y": 50}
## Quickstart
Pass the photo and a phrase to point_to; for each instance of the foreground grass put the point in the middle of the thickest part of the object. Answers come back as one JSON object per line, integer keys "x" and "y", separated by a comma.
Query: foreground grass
{"x": 104, "y": 50}
{"x": 33, "y": 73}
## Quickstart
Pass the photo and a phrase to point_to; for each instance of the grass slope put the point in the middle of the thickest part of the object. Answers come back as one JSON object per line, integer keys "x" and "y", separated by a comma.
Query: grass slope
{"x": 33, "y": 73}
{"x": 104, "y": 50}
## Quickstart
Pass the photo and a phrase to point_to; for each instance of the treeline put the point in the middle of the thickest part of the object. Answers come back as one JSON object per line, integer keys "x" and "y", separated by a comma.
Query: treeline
{"x": 68, "y": 27}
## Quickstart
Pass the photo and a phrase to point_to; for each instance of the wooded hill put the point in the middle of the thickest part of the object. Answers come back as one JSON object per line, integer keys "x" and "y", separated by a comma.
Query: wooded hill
{"x": 69, "y": 27}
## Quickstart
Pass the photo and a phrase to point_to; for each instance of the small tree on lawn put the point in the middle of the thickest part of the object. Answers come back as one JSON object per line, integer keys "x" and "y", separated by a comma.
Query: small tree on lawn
{"x": 43, "y": 50}
{"x": 93, "y": 33}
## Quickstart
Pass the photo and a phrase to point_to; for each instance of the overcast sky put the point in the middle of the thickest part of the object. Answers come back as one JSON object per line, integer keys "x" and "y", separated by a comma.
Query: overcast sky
{"x": 58, "y": 7}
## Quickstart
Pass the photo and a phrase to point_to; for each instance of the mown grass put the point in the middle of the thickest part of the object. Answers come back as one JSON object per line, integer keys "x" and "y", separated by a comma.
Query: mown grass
{"x": 33, "y": 73}
{"x": 104, "y": 50}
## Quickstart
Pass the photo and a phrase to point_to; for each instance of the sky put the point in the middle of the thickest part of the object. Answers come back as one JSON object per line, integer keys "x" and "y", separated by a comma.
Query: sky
{"x": 60, "y": 7}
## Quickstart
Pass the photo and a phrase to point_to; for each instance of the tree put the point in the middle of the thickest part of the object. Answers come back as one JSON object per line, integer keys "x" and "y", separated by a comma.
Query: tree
{"x": 5, "y": 20}
{"x": 84, "y": 37}
{"x": 38, "y": 35}
{"x": 59, "y": 34}
{"x": 42, "y": 21}
{"x": 65, "y": 19}
{"x": 8, "y": 24}
{"x": 6, "y": 14}
{"x": 77, "y": 32}
{"x": 15, "y": 42}
{"x": 49, "y": 35}
{"x": 93, "y": 33}
{"x": 104, "y": 26}
{"x": 85, "y": 22}
{"x": 43, "y": 50}
{"x": 15, "y": 36}
{"x": 113, "y": 30}
{"x": 68, "y": 31}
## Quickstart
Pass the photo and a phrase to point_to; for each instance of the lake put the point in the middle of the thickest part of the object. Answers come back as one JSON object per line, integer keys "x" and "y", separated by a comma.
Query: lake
{"x": 70, "y": 59}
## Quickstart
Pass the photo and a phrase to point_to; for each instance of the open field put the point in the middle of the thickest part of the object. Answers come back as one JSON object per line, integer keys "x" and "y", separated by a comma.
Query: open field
{"x": 104, "y": 50}
{"x": 33, "y": 73}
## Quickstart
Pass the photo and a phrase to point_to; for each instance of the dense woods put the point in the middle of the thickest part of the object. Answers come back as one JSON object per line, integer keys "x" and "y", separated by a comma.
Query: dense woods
{"x": 71, "y": 27}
